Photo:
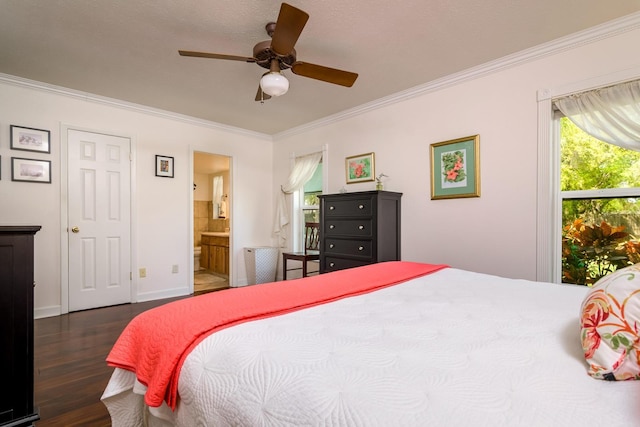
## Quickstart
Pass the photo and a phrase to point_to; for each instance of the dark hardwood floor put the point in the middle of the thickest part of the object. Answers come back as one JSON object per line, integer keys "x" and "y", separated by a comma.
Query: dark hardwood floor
{"x": 70, "y": 368}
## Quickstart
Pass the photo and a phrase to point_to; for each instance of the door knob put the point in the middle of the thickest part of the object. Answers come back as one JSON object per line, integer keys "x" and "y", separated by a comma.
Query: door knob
{"x": 75, "y": 229}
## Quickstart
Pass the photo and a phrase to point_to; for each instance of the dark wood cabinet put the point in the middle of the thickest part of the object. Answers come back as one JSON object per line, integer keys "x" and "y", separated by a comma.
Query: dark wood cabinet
{"x": 16, "y": 326}
{"x": 358, "y": 229}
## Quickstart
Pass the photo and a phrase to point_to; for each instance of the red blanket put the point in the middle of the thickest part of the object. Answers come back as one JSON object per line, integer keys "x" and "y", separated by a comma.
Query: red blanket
{"x": 155, "y": 343}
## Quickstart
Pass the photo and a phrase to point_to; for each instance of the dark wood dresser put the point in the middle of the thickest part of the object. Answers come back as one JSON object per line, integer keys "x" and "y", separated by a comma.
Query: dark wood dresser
{"x": 16, "y": 326}
{"x": 358, "y": 229}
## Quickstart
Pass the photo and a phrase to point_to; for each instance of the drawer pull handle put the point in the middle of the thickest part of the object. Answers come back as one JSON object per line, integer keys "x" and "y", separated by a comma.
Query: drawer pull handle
{"x": 360, "y": 248}
{"x": 331, "y": 264}
{"x": 360, "y": 206}
{"x": 332, "y": 226}
{"x": 331, "y": 246}
{"x": 361, "y": 227}
{"x": 331, "y": 208}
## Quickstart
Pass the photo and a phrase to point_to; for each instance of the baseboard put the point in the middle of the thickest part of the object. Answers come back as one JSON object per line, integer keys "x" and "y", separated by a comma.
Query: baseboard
{"x": 41, "y": 313}
{"x": 56, "y": 310}
{"x": 239, "y": 284}
{"x": 170, "y": 293}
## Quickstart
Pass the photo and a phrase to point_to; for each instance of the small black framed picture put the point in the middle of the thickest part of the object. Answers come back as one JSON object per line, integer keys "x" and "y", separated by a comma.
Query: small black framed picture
{"x": 164, "y": 166}
{"x": 30, "y": 170}
{"x": 30, "y": 139}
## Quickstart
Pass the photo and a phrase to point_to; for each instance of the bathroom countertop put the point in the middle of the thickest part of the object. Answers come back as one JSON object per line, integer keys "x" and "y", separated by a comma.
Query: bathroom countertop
{"x": 215, "y": 233}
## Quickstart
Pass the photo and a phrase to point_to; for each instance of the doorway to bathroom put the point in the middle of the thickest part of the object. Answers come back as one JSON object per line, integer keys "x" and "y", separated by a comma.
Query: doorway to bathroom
{"x": 211, "y": 221}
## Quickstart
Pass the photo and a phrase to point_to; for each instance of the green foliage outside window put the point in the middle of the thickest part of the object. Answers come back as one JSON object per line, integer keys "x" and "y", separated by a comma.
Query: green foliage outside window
{"x": 600, "y": 235}
{"x": 590, "y": 252}
{"x": 311, "y": 199}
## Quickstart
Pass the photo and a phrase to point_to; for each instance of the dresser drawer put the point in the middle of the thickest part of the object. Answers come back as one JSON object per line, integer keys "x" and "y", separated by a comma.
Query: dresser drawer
{"x": 349, "y": 227}
{"x": 361, "y": 248}
{"x": 353, "y": 207}
{"x": 334, "y": 264}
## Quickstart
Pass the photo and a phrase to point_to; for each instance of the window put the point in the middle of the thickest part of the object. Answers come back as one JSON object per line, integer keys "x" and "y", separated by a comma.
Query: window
{"x": 306, "y": 181}
{"x": 310, "y": 202}
{"x": 600, "y": 203}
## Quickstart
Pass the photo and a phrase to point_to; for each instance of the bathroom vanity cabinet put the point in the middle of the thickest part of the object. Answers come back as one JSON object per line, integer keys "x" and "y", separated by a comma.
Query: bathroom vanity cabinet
{"x": 214, "y": 254}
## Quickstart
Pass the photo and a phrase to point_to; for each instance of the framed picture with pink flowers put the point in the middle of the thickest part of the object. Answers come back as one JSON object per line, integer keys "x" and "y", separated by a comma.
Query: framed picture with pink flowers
{"x": 455, "y": 168}
{"x": 360, "y": 168}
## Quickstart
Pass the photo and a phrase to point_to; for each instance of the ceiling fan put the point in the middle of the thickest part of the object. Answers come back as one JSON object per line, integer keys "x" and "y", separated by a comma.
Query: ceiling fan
{"x": 279, "y": 54}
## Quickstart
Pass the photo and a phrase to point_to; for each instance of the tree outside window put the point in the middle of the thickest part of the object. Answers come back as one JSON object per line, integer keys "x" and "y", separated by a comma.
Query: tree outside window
{"x": 600, "y": 191}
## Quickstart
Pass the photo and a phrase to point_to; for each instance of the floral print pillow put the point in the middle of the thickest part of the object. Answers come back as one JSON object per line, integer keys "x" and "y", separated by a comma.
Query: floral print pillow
{"x": 610, "y": 320}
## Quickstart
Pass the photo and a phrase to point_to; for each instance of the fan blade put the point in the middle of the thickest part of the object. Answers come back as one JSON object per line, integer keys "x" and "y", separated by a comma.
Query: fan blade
{"x": 261, "y": 96}
{"x": 326, "y": 74}
{"x": 290, "y": 23}
{"x": 215, "y": 56}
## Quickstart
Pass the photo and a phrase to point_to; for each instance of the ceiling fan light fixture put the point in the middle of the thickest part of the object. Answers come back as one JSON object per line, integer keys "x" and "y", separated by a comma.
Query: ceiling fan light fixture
{"x": 274, "y": 84}
{"x": 279, "y": 54}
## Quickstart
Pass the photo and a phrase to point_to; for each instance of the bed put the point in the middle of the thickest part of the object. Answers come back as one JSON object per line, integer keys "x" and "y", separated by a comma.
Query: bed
{"x": 424, "y": 346}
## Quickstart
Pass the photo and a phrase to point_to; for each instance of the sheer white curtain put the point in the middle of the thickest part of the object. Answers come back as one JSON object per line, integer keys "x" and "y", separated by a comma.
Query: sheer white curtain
{"x": 301, "y": 173}
{"x": 611, "y": 114}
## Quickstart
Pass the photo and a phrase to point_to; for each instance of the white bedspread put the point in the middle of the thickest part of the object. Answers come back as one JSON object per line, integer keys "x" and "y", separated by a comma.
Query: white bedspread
{"x": 452, "y": 348}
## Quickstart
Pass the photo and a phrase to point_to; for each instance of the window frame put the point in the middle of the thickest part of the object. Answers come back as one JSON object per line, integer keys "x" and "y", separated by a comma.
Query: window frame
{"x": 549, "y": 208}
{"x": 303, "y": 206}
{"x": 565, "y": 195}
{"x": 298, "y": 206}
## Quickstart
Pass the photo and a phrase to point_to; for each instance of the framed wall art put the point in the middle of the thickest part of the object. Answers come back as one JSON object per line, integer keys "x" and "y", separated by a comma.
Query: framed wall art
{"x": 30, "y": 170}
{"x": 360, "y": 168}
{"x": 164, "y": 166}
{"x": 455, "y": 168}
{"x": 30, "y": 139}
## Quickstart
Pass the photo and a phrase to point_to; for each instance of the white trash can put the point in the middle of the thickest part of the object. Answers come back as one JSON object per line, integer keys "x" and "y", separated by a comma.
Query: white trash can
{"x": 261, "y": 264}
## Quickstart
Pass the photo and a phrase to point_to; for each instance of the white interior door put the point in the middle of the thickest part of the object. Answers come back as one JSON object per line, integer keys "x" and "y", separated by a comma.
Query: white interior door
{"x": 99, "y": 213}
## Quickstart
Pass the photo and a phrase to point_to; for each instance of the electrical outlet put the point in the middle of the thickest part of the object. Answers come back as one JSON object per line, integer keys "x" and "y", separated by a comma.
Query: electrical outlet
{"x": 143, "y": 272}
{"x": 174, "y": 269}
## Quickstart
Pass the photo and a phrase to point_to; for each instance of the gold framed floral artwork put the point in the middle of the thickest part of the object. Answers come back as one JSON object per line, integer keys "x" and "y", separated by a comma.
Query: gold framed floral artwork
{"x": 455, "y": 168}
{"x": 360, "y": 168}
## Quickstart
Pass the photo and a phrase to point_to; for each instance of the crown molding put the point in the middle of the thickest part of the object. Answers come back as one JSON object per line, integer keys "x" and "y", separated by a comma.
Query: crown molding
{"x": 609, "y": 29}
{"x": 117, "y": 103}
{"x": 603, "y": 31}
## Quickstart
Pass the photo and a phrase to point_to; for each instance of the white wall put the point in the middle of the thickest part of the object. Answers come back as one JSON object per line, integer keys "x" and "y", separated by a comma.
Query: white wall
{"x": 203, "y": 187}
{"x": 495, "y": 233}
{"x": 163, "y": 207}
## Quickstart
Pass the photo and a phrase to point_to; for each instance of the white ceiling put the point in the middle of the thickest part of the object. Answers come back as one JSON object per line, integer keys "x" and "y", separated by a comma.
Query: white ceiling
{"x": 210, "y": 163}
{"x": 127, "y": 49}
